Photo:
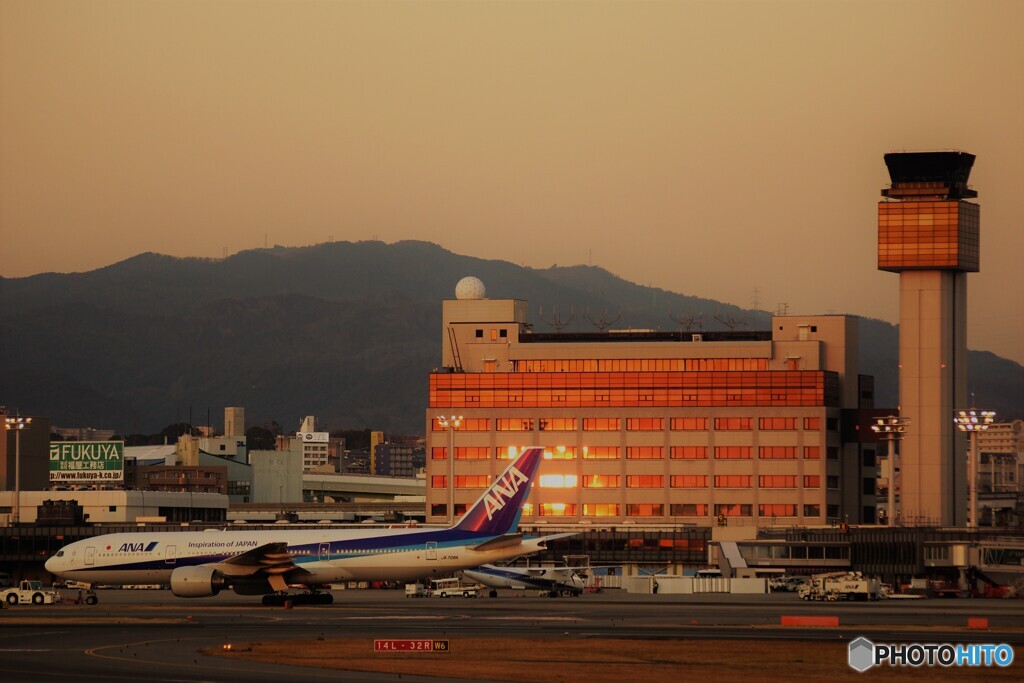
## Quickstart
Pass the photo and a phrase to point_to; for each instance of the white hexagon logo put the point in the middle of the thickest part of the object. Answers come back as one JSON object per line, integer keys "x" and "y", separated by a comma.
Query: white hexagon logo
{"x": 862, "y": 654}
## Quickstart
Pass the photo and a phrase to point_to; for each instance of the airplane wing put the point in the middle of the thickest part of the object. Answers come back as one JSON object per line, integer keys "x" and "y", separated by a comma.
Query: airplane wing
{"x": 542, "y": 541}
{"x": 271, "y": 560}
{"x": 531, "y": 544}
{"x": 503, "y": 541}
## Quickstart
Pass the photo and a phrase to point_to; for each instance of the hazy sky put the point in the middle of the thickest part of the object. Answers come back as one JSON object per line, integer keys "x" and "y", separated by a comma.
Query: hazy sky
{"x": 709, "y": 148}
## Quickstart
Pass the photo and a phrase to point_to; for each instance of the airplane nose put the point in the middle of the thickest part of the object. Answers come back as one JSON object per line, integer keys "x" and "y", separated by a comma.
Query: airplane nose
{"x": 51, "y": 565}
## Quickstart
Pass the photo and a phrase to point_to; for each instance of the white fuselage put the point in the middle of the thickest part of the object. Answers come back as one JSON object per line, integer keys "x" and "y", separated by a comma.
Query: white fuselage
{"x": 329, "y": 555}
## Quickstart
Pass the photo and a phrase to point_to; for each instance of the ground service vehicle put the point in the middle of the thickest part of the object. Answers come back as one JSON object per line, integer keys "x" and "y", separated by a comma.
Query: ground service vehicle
{"x": 445, "y": 588}
{"x": 791, "y": 584}
{"x": 30, "y": 591}
{"x": 841, "y": 586}
{"x": 415, "y": 590}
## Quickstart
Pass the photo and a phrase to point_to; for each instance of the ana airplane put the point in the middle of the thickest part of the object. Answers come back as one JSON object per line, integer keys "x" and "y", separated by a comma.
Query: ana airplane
{"x": 553, "y": 580}
{"x": 202, "y": 563}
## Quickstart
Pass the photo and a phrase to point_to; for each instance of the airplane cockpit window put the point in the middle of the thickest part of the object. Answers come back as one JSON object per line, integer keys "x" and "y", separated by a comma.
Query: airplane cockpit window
{"x": 60, "y": 553}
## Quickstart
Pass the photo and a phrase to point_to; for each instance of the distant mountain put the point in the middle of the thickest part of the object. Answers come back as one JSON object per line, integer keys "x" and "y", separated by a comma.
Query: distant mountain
{"x": 344, "y": 331}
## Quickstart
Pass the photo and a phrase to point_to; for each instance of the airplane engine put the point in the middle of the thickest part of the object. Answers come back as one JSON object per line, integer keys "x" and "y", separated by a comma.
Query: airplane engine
{"x": 197, "y": 582}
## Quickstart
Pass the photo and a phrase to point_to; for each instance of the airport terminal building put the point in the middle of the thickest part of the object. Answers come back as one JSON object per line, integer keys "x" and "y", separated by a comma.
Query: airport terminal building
{"x": 737, "y": 428}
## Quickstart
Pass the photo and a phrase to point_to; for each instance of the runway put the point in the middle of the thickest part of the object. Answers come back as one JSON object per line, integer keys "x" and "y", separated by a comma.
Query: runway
{"x": 152, "y": 635}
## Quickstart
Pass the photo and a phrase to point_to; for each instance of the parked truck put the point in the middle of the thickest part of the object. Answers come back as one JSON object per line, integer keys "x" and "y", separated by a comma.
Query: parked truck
{"x": 416, "y": 590}
{"x": 841, "y": 586}
{"x": 31, "y": 592}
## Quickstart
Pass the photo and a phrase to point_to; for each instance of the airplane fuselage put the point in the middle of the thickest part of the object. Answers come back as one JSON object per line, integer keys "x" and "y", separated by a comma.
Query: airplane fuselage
{"x": 559, "y": 580}
{"x": 328, "y": 555}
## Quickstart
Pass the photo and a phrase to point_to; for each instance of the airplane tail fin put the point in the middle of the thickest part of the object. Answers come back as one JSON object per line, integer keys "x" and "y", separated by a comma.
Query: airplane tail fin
{"x": 498, "y": 510}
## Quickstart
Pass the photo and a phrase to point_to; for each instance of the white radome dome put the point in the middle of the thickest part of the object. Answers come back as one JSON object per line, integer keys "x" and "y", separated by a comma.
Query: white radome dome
{"x": 470, "y": 288}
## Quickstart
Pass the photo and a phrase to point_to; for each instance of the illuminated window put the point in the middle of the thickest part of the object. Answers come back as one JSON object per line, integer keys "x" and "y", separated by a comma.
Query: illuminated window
{"x": 645, "y": 424}
{"x": 732, "y": 481}
{"x": 733, "y": 452}
{"x": 558, "y": 424}
{"x": 600, "y": 509}
{"x": 777, "y": 481}
{"x": 600, "y": 452}
{"x": 514, "y": 424}
{"x": 645, "y": 453}
{"x": 438, "y": 453}
{"x": 663, "y": 389}
{"x": 602, "y": 424}
{"x": 689, "y": 509}
{"x": 645, "y": 510}
{"x": 472, "y": 481}
{"x": 528, "y": 509}
{"x": 494, "y": 335}
{"x": 689, "y": 481}
{"x": 560, "y": 453}
{"x": 776, "y": 510}
{"x": 689, "y": 424}
{"x": 777, "y": 452}
{"x": 734, "y": 423}
{"x": 601, "y": 481}
{"x": 689, "y": 453}
{"x": 557, "y": 481}
{"x": 645, "y": 481}
{"x": 733, "y": 510}
{"x": 472, "y": 452}
{"x": 812, "y": 481}
{"x": 776, "y": 423}
{"x": 469, "y": 424}
{"x": 557, "y": 509}
{"x": 438, "y": 481}
{"x": 506, "y": 452}
{"x": 812, "y": 453}
{"x": 460, "y": 509}
{"x": 812, "y": 423}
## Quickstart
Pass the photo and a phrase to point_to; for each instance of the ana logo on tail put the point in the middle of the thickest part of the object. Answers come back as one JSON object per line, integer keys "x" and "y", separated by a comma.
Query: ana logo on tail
{"x": 499, "y": 494}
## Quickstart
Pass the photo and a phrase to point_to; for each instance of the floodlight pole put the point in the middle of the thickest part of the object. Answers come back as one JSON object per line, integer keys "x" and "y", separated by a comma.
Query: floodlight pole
{"x": 451, "y": 424}
{"x": 17, "y": 424}
{"x": 891, "y": 429}
{"x": 973, "y": 421}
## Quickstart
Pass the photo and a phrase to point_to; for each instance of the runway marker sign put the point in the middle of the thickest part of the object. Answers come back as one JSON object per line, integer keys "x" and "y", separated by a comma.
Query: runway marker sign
{"x": 410, "y": 645}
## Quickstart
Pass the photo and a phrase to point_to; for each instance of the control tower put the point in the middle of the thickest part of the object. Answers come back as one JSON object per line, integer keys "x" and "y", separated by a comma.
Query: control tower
{"x": 929, "y": 234}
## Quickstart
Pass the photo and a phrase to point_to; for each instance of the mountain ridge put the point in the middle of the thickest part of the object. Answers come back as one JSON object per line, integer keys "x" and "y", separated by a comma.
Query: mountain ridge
{"x": 347, "y": 331}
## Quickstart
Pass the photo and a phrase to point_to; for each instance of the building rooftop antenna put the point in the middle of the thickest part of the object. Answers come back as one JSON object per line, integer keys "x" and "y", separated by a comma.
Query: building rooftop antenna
{"x": 731, "y": 322}
{"x": 689, "y": 322}
{"x": 557, "y": 321}
{"x": 602, "y": 323}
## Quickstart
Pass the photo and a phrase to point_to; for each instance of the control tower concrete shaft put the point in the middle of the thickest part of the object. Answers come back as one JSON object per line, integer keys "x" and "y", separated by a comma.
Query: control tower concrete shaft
{"x": 929, "y": 234}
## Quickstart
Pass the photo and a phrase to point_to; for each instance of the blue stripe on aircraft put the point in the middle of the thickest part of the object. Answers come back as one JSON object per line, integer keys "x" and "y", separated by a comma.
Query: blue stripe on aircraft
{"x": 310, "y": 552}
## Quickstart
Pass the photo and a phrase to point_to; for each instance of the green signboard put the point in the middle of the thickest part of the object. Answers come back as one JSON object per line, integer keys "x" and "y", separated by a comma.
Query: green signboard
{"x": 87, "y": 461}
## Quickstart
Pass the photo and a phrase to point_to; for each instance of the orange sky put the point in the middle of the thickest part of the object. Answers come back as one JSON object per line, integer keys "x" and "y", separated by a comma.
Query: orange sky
{"x": 708, "y": 148}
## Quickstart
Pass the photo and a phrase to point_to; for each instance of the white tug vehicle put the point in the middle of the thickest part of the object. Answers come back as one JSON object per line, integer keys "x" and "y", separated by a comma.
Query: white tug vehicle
{"x": 30, "y": 592}
{"x": 841, "y": 586}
